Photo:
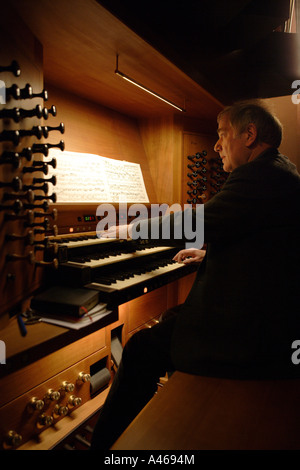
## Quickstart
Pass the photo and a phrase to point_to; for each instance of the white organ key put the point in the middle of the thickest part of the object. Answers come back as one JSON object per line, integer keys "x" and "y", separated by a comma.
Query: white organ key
{"x": 136, "y": 278}
{"x": 90, "y": 241}
{"x": 96, "y": 263}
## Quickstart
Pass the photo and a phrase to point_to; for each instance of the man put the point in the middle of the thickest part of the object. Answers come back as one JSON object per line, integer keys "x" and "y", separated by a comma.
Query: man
{"x": 242, "y": 314}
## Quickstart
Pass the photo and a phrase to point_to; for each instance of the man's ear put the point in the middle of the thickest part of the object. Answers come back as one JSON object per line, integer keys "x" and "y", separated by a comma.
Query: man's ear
{"x": 251, "y": 134}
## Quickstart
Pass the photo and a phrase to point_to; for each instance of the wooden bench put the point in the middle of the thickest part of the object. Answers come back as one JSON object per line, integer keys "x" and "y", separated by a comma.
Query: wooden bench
{"x": 199, "y": 413}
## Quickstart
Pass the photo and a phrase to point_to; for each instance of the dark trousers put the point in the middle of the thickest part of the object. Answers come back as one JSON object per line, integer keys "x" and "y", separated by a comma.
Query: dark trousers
{"x": 146, "y": 358}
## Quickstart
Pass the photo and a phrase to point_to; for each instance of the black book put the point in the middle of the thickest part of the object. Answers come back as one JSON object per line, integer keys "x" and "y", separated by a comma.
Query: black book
{"x": 61, "y": 300}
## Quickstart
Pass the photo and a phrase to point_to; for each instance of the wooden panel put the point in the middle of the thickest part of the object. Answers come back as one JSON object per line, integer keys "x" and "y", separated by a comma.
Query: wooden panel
{"x": 80, "y": 56}
{"x": 199, "y": 413}
{"x": 24, "y": 379}
{"x": 145, "y": 308}
{"x": 289, "y": 115}
{"x": 162, "y": 139}
{"x": 141, "y": 311}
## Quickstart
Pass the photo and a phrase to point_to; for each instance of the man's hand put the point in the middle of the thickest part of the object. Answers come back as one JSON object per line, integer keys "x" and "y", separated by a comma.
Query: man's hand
{"x": 190, "y": 255}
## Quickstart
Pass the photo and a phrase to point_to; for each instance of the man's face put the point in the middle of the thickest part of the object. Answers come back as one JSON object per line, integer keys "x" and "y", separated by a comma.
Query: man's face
{"x": 231, "y": 147}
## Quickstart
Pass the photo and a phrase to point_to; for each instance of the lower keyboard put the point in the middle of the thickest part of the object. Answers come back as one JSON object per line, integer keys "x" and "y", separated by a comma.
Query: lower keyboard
{"x": 114, "y": 290}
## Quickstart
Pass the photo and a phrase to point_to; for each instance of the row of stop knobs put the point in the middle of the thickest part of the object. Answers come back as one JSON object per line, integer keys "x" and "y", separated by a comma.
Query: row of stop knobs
{"x": 14, "y": 439}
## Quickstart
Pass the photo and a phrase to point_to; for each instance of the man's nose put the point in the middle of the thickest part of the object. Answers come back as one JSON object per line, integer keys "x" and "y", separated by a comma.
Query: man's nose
{"x": 217, "y": 146}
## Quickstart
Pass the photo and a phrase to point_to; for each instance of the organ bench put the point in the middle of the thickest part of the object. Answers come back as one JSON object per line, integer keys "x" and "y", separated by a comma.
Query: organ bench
{"x": 199, "y": 413}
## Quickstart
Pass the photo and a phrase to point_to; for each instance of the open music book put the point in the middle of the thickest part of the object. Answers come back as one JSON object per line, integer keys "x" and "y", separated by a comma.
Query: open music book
{"x": 84, "y": 177}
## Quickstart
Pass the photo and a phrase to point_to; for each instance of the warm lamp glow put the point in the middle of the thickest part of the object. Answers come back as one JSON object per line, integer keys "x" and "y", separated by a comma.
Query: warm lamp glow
{"x": 139, "y": 85}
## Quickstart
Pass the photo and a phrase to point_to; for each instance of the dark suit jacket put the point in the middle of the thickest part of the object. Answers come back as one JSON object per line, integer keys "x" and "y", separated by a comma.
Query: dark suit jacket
{"x": 243, "y": 311}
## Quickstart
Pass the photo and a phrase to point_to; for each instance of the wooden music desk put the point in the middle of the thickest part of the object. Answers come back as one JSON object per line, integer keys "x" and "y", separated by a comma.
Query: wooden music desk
{"x": 199, "y": 413}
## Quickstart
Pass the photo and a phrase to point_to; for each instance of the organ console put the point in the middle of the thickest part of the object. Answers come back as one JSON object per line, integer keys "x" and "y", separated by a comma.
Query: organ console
{"x": 119, "y": 270}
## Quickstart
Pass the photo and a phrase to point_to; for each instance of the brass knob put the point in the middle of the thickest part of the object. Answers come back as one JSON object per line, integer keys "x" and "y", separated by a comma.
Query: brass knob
{"x": 60, "y": 410}
{"x": 74, "y": 401}
{"x": 36, "y": 404}
{"x": 67, "y": 386}
{"x": 52, "y": 395}
{"x": 12, "y": 439}
{"x": 44, "y": 420}
{"x": 83, "y": 377}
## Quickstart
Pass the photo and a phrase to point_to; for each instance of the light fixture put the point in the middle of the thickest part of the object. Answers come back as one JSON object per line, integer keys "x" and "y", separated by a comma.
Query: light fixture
{"x": 134, "y": 82}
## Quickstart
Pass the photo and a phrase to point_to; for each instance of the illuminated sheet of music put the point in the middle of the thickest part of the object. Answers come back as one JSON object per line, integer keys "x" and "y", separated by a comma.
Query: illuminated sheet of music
{"x": 84, "y": 177}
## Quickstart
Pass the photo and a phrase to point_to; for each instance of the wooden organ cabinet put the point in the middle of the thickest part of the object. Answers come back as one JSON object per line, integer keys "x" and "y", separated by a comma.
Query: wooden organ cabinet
{"x": 53, "y": 379}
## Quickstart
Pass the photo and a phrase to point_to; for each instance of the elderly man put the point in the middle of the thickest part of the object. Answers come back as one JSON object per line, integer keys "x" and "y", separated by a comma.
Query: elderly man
{"x": 242, "y": 313}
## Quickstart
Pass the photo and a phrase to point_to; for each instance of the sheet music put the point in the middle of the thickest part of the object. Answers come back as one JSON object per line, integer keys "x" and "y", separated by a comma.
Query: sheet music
{"x": 84, "y": 177}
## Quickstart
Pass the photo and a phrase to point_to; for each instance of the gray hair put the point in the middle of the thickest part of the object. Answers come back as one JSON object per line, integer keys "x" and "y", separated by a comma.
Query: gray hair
{"x": 242, "y": 113}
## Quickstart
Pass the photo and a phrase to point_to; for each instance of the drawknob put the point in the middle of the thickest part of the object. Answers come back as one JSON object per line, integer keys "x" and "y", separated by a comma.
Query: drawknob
{"x": 74, "y": 401}
{"x": 16, "y": 257}
{"x": 52, "y": 395}
{"x": 16, "y": 207}
{"x": 42, "y": 180}
{"x": 28, "y": 217}
{"x": 12, "y": 439}
{"x": 36, "y": 404}
{"x": 13, "y": 92}
{"x": 12, "y": 136}
{"x": 67, "y": 386}
{"x": 83, "y": 377}
{"x": 26, "y": 92}
{"x": 60, "y": 410}
{"x": 15, "y": 184}
{"x": 44, "y": 420}
{"x": 28, "y": 238}
{"x": 13, "y": 68}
